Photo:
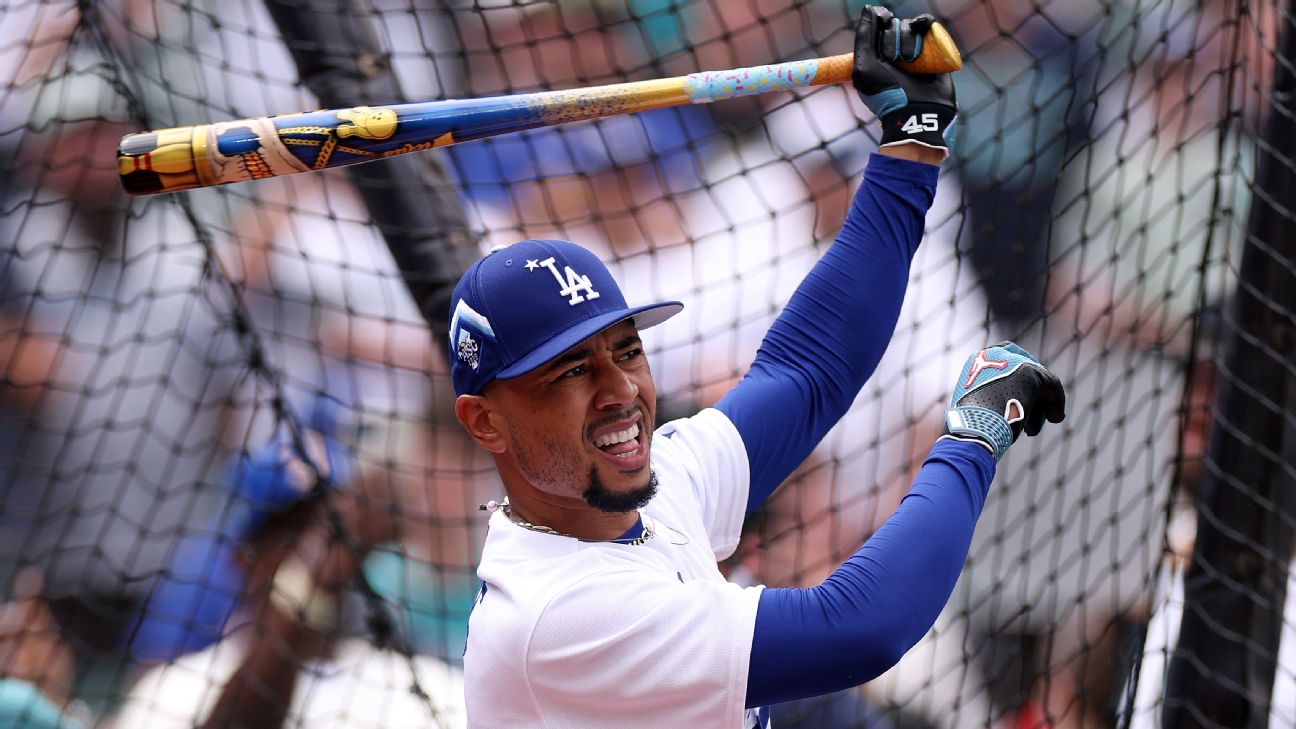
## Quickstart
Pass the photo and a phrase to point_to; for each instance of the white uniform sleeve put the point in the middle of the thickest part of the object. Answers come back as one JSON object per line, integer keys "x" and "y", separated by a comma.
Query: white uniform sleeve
{"x": 711, "y": 453}
{"x": 670, "y": 654}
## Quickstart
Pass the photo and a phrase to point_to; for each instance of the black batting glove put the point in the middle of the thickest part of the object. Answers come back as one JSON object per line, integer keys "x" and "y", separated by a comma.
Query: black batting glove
{"x": 1003, "y": 391}
{"x": 912, "y": 107}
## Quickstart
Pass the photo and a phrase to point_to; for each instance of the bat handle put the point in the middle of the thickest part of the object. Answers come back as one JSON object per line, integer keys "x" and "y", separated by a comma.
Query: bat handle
{"x": 939, "y": 55}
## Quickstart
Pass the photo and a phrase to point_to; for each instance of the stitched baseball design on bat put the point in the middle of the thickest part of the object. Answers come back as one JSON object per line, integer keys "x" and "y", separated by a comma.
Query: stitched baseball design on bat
{"x": 185, "y": 158}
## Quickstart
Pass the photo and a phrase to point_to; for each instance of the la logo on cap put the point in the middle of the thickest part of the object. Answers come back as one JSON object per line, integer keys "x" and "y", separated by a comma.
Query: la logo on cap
{"x": 572, "y": 286}
{"x": 528, "y": 326}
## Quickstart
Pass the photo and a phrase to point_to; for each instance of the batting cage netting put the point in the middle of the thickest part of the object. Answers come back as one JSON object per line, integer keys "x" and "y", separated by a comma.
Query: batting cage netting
{"x": 196, "y": 385}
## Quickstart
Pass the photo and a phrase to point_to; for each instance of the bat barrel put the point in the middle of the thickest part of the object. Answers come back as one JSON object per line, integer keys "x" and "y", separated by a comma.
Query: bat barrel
{"x": 185, "y": 158}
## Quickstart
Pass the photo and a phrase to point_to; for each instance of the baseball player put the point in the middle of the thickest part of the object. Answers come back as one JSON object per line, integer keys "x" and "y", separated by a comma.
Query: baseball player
{"x": 601, "y": 602}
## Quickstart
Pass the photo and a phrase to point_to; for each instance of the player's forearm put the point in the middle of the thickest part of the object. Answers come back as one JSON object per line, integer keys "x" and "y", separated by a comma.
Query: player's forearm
{"x": 881, "y": 601}
{"x": 258, "y": 695}
{"x": 834, "y": 329}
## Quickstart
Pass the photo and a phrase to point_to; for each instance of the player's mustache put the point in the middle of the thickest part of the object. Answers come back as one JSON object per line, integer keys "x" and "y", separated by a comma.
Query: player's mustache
{"x": 623, "y": 415}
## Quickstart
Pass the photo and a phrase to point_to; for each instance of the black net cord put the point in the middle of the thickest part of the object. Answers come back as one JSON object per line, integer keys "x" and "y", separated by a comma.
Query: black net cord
{"x": 414, "y": 203}
{"x": 1222, "y": 672}
{"x": 220, "y": 287}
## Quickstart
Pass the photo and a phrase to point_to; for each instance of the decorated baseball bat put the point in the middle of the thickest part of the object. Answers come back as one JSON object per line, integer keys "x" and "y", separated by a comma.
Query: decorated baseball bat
{"x": 184, "y": 158}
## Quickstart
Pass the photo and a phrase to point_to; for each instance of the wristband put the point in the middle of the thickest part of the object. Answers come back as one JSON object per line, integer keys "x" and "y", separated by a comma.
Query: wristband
{"x": 983, "y": 424}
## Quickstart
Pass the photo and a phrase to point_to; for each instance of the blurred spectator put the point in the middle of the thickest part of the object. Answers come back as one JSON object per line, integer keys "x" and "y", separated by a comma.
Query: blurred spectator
{"x": 1061, "y": 558}
{"x": 1019, "y": 95}
{"x": 202, "y": 585}
{"x": 36, "y": 667}
{"x": 114, "y": 460}
{"x": 292, "y": 657}
{"x": 117, "y": 342}
{"x": 335, "y": 321}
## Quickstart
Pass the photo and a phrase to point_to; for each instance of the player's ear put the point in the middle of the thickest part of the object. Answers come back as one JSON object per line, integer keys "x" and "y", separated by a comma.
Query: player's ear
{"x": 478, "y": 418}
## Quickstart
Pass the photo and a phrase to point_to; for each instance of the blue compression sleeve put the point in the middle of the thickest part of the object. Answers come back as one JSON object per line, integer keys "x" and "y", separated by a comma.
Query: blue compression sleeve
{"x": 881, "y": 601}
{"x": 830, "y": 336}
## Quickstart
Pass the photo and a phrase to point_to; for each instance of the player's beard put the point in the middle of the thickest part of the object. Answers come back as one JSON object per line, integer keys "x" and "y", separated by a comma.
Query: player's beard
{"x": 602, "y": 498}
{"x": 551, "y": 465}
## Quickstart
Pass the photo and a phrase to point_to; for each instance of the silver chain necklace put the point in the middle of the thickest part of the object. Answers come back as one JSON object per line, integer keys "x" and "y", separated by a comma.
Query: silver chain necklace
{"x": 504, "y": 506}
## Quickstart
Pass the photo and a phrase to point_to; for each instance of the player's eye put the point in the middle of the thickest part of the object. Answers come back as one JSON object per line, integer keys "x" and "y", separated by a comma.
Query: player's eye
{"x": 576, "y": 371}
{"x": 630, "y": 354}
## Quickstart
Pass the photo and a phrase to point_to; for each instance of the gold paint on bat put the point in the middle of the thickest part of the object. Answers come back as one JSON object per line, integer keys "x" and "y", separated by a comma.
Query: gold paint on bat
{"x": 939, "y": 53}
{"x": 202, "y": 164}
{"x": 571, "y": 105}
{"x": 409, "y": 147}
{"x": 322, "y": 131}
{"x": 367, "y": 123}
{"x": 325, "y": 153}
{"x": 169, "y": 159}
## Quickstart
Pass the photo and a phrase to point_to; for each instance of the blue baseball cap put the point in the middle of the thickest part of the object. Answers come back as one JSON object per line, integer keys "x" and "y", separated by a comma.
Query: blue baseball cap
{"x": 522, "y": 305}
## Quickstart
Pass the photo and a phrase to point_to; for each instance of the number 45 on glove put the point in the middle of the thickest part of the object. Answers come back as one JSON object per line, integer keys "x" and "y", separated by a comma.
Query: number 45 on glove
{"x": 913, "y": 107}
{"x": 928, "y": 123}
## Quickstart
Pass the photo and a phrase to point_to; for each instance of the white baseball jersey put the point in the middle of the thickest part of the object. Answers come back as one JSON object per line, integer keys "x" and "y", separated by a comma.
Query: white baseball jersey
{"x": 589, "y": 635}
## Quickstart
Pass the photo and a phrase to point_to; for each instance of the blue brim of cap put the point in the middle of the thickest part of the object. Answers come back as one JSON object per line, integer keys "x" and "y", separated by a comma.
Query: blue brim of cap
{"x": 644, "y": 316}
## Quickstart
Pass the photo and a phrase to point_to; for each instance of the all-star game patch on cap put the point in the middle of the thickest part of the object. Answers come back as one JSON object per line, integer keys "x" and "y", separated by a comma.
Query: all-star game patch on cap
{"x": 522, "y": 305}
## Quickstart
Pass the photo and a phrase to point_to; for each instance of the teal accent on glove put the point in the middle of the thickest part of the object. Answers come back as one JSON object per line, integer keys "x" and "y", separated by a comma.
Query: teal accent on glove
{"x": 984, "y": 425}
{"x": 886, "y": 102}
{"x": 1001, "y": 392}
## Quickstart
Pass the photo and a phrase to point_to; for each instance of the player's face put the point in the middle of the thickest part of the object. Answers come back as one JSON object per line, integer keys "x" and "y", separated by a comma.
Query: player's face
{"x": 580, "y": 426}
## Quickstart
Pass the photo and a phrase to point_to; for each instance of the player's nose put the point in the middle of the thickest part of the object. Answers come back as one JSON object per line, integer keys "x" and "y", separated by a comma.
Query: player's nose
{"x": 616, "y": 387}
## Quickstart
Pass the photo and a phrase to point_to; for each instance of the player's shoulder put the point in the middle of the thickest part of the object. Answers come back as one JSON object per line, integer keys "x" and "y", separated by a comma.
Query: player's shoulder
{"x": 707, "y": 432}
{"x": 704, "y": 452}
{"x": 705, "y": 423}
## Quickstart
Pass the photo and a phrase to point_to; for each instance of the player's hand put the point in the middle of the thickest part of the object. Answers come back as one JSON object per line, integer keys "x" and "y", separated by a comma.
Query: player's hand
{"x": 912, "y": 107}
{"x": 298, "y": 565}
{"x": 304, "y": 540}
{"x": 1002, "y": 391}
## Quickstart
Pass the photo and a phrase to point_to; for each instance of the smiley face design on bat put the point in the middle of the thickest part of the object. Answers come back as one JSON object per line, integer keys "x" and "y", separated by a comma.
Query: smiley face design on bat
{"x": 367, "y": 123}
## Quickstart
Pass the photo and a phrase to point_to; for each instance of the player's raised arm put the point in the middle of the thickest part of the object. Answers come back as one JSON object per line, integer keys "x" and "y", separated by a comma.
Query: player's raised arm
{"x": 831, "y": 335}
{"x": 881, "y": 601}
{"x": 601, "y": 601}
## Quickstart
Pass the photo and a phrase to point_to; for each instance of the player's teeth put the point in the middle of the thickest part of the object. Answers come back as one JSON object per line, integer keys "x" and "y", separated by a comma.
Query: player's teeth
{"x": 604, "y": 441}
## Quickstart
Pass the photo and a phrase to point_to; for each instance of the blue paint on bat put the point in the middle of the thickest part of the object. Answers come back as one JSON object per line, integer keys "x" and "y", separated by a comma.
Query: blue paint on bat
{"x": 304, "y": 135}
{"x": 237, "y": 141}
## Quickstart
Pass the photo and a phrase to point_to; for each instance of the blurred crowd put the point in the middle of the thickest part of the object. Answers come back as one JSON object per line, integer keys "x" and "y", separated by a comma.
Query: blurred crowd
{"x": 232, "y": 490}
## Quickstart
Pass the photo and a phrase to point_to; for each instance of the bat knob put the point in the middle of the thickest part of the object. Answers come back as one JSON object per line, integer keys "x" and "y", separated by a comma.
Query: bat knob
{"x": 939, "y": 53}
